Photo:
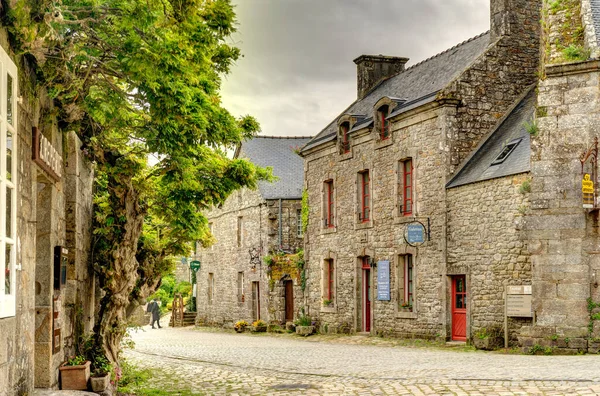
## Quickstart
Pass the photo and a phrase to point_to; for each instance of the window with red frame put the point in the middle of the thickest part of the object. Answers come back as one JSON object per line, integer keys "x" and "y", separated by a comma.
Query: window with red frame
{"x": 407, "y": 187}
{"x": 345, "y": 141}
{"x": 408, "y": 281}
{"x": 329, "y": 204}
{"x": 384, "y": 132}
{"x": 329, "y": 277}
{"x": 365, "y": 201}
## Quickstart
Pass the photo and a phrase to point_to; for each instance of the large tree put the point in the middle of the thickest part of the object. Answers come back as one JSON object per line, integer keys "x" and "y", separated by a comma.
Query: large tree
{"x": 140, "y": 77}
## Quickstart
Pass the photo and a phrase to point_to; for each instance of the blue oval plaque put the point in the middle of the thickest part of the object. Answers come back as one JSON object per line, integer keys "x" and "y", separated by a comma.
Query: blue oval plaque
{"x": 415, "y": 233}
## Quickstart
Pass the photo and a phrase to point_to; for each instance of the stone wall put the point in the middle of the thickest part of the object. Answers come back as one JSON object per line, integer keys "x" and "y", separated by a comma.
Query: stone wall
{"x": 49, "y": 213}
{"x": 417, "y": 136}
{"x": 562, "y": 235}
{"x": 489, "y": 87}
{"x": 484, "y": 242}
{"x": 226, "y": 260}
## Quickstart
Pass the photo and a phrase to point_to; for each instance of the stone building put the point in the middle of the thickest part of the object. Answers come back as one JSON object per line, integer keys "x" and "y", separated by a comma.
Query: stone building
{"x": 415, "y": 189}
{"x": 233, "y": 282}
{"x": 46, "y": 288}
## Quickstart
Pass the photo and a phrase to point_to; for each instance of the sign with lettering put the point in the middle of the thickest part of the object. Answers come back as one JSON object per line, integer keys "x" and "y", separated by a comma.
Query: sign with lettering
{"x": 195, "y": 265}
{"x": 45, "y": 155}
{"x": 519, "y": 301}
{"x": 587, "y": 187}
{"x": 415, "y": 234}
{"x": 383, "y": 280}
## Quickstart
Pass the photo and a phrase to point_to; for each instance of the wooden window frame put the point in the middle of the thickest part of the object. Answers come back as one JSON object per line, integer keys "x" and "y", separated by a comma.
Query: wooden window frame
{"x": 299, "y": 233}
{"x": 240, "y": 231}
{"x": 407, "y": 197}
{"x": 366, "y": 201}
{"x": 330, "y": 282}
{"x": 409, "y": 274}
{"x": 8, "y": 185}
{"x": 385, "y": 126}
{"x": 345, "y": 141}
{"x": 329, "y": 204}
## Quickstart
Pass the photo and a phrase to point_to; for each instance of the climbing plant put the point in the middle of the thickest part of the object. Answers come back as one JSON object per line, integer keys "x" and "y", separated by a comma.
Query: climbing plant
{"x": 280, "y": 264}
{"x": 140, "y": 78}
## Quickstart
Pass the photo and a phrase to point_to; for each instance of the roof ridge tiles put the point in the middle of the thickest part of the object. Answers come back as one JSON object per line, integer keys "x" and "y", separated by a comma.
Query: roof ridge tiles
{"x": 282, "y": 137}
{"x": 446, "y": 51}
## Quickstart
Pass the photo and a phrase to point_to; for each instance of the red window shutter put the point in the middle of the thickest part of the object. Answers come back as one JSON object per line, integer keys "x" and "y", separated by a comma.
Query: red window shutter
{"x": 366, "y": 198}
{"x": 407, "y": 193}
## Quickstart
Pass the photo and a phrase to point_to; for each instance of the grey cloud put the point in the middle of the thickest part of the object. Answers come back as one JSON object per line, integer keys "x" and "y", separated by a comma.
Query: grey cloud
{"x": 297, "y": 71}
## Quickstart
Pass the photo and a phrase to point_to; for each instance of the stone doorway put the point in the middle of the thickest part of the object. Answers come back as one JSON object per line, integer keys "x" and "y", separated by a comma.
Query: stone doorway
{"x": 255, "y": 301}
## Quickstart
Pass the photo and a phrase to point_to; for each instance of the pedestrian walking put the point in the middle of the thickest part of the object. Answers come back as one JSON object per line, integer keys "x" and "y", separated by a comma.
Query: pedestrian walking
{"x": 154, "y": 309}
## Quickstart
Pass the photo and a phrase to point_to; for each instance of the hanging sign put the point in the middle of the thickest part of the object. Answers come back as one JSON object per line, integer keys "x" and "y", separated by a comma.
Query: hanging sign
{"x": 587, "y": 188}
{"x": 195, "y": 265}
{"x": 414, "y": 234}
{"x": 589, "y": 165}
{"x": 383, "y": 280}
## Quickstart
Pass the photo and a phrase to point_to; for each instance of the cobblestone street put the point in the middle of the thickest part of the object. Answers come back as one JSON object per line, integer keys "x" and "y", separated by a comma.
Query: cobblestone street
{"x": 218, "y": 363}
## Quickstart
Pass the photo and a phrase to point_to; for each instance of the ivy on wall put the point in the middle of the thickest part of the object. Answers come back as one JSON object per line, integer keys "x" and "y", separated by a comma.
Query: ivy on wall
{"x": 280, "y": 264}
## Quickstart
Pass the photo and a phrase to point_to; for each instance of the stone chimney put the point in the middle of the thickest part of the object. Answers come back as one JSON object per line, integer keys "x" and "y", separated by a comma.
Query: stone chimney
{"x": 514, "y": 18}
{"x": 371, "y": 69}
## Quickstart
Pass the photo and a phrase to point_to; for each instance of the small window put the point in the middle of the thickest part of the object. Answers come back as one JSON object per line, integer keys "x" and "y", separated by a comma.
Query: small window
{"x": 406, "y": 187}
{"x": 329, "y": 289}
{"x": 384, "y": 123}
{"x": 240, "y": 287}
{"x": 240, "y": 231}
{"x": 506, "y": 151}
{"x": 329, "y": 201}
{"x": 406, "y": 282}
{"x": 299, "y": 223}
{"x": 211, "y": 287}
{"x": 344, "y": 138}
{"x": 364, "y": 214}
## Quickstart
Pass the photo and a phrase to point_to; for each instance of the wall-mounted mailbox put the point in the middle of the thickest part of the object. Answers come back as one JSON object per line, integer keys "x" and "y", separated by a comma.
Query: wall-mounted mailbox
{"x": 60, "y": 266}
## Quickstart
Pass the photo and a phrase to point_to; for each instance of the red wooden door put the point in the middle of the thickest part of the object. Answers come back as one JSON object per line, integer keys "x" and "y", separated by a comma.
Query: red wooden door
{"x": 289, "y": 301}
{"x": 366, "y": 295}
{"x": 459, "y": 308}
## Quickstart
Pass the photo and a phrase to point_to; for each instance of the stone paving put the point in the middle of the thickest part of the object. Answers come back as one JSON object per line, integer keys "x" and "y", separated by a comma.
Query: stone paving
{"x": 220, "y": 363}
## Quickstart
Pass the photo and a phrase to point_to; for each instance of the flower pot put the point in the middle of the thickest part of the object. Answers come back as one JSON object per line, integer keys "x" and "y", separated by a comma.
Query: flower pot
{"x": 239, "y": 329}
{"x": 260, "y": 329}
{"x": 100, "y": 384}
{"x": 305, "y": 330}
{"x": 75, "y": 377}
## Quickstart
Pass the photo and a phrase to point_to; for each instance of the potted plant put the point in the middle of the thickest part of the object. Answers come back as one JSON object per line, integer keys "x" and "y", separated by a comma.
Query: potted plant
{"x": 240, "y": 326}
{"x": 406, "y": 306}
{"x": 327, "y": 302}
{"x": 304, "y": 325}
{"x": 75, "y": 373}
{"x": 101, "y": 371}
{"x": 259, "y": 326}
{"x": 488, "y": 339}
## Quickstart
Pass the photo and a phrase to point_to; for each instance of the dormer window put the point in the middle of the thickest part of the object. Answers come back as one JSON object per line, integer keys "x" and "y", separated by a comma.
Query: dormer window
{"x": 344, "y": 139}
{"x": 384, "y": 123}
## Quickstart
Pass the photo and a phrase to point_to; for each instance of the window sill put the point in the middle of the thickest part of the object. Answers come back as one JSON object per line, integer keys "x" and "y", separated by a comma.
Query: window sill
{"x": 398, "y": 219}
{"x": 328, "y": 309}
{"x": 406, "y": 315}
{"x": 365, "y": 225}
{"x": 328, "y": 230}
{"x": 345, "y": 156}
{"x": 383, "y": 143}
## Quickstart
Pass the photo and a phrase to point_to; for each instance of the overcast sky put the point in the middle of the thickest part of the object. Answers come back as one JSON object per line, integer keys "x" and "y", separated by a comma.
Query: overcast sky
{"x": 297, "y": 72}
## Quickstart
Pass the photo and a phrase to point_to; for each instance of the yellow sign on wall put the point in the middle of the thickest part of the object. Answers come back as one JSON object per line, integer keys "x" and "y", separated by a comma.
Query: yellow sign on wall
{"x": 587, "y": 187}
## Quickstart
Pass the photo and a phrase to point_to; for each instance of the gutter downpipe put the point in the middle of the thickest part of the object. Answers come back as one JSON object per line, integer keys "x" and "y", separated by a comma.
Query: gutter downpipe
{"x": 280, "y": 230}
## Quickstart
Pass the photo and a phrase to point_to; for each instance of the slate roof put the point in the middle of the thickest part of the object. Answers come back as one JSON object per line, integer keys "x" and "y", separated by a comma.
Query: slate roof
{"x": 596, "y": 18}
{"x": 479, "y": 166}
{"x": 277, "y": 152}
{"x": 417, "y": 84}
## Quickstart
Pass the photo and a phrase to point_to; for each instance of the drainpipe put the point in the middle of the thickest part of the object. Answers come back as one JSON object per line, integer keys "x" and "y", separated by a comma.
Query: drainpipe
{"x": 280, "y": 230}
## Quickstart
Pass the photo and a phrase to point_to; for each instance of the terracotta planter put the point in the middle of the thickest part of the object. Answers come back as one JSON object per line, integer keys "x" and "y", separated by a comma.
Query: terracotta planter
{"x": 100, "y": 384}
{"x": 75, "y": 377}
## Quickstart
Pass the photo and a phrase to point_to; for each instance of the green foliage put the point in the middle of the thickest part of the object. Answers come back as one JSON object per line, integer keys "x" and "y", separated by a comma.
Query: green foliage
{"x": 135, "y": 78}
{"x": 76, "y": 360}
{"x": 541, "y": 111}
{"x": 305, "y": 210}
{"x": 576, "y": 53}
{"x": 525, "y": 187}
{"x": 303, "y": 320}
{"x": 531, "y": 127}
{"x": 327, "y": 302}
{"x": 131, "y": 377}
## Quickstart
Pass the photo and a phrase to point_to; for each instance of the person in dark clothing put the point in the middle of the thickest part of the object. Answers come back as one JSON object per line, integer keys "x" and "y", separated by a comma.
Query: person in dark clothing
{"x": 154, "y": 309}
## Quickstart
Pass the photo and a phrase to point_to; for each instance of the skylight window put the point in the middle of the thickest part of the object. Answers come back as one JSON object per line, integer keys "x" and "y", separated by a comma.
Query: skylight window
{"x": 506, "y": 151}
